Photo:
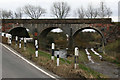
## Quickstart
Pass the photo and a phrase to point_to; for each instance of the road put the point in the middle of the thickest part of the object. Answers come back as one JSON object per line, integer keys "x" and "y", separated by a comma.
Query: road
{"x": 15, "y": 67}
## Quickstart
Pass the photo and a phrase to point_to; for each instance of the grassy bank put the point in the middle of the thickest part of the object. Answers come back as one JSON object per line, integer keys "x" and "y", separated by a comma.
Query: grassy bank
{"x": 113, "y": 52}
{"x": 66, "y": 68}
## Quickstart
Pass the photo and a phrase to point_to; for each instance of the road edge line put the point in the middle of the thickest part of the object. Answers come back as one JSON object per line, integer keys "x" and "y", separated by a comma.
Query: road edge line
{"x": 28, "y": 62}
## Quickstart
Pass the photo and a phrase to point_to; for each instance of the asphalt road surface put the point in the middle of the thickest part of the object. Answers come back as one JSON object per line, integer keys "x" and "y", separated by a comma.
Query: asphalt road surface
{"x": 15, "y": 67}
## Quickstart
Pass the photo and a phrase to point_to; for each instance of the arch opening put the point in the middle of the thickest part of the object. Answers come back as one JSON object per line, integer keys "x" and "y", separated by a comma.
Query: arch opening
{"x": 88, "y": 28}
{"x": 45, "y": 32}
{"x": 90, "y": 42}
{"x": 53, "y": 35}
{"x": 20, "y": 32}
{"x": 89, "y": 37}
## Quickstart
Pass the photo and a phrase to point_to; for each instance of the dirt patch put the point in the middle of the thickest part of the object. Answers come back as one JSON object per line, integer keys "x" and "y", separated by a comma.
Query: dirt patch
{"x": 66, "y": 71}
{"x": 105, "y": 68}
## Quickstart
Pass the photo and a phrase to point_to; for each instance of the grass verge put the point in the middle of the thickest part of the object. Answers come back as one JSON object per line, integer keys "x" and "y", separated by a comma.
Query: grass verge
{"x": 66, "y": 68}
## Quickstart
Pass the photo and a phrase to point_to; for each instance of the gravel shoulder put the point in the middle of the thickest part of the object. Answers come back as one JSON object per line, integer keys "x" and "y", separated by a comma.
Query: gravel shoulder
{"x": 106, "y": 68}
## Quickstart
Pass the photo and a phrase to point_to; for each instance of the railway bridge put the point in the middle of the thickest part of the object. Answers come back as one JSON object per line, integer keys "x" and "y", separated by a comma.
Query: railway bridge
{"x": 39, "y": 28}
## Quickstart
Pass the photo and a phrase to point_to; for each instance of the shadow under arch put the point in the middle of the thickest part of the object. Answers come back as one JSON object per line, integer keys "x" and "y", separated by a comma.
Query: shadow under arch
{"x": 103, "y": 38}
{"x": 19, "y": 31}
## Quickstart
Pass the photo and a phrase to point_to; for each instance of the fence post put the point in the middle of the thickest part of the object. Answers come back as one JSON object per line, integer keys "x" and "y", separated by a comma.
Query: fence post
{"x": 53, "y": 47}
{"x": 76, "y": 56}
{"x": 4, "y": 35}
{"x": 36, "y": 42}
{"x": 58, "y": 58}
{"x": 10, "y": 39}
{"x": 36, "y": 52}
{"x": 25, "y": 43}
{"x": 20, "y": 43}
{"x": 36, "y": 48}
{"x": 16, "y": 39}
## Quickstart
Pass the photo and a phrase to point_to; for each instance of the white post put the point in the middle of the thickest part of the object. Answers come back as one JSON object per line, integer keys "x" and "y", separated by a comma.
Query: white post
{"x": 58, "y": 58}
{"x": 2, "y": 34}
{"x": 76, "y": 55}
{"x": 76, "y": 51}
{"x": 20, "y": 43}
{"x": 10, "y": 42}
{"x": 8, "y": 39}
{"x": 36, "y": 52}
{"x": 67, "y": 37}
{"x": 36, "y": 42}
{"x": 22, "y": 38}
{"x": 25, "y": 43}
{"x": 36, "y": 48}
{"x": 67, "y": 41}
{"x": 53, "y": 47}
{"x": 16, "y": 38}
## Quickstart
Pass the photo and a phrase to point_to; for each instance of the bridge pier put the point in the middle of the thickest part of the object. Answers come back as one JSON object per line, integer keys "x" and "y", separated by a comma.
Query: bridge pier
{"x": 70, "y": 43}
{"x": 103, "y": 47}
{"x": 42, "y": 43}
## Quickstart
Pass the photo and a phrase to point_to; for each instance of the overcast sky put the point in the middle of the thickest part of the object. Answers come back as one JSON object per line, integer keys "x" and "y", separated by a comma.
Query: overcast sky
{"x": 14, "y": 4}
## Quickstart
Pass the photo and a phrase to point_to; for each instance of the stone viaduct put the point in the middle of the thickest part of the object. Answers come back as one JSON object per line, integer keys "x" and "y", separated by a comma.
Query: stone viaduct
{"x": 41, "y": 27}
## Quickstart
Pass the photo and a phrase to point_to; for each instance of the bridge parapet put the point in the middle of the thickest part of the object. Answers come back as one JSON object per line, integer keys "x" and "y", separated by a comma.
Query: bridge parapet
{"x": 58, "y": 21}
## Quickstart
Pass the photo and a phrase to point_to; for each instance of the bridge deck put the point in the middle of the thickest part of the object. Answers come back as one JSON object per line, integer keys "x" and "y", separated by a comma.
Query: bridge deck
{"x": 58, "y": 21}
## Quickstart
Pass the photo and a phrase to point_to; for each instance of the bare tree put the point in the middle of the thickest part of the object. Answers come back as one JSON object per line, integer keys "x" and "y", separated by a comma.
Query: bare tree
{"x": 34, "y": 12}
{"x": 7, "y": 14}
{"x": 91, "y": 12}
{"x": 109, "y": 12}
{"x": 102, "y": 10}
{"x": 11, "y": 14}
{"x": 95, "y": 14}
{"x": 81, "y": 12}
{"x": 18, "y": 14}
{"x": 60, "y": 9}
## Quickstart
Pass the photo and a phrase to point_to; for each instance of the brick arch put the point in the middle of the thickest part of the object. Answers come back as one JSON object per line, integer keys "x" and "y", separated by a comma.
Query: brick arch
{"x": 94, "y": 28}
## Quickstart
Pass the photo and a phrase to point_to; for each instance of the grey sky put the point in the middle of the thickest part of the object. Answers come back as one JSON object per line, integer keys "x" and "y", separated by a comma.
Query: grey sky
{"x": 14, "y": 4}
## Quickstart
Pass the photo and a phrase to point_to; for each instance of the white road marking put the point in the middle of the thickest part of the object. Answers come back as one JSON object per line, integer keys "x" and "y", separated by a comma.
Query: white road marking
{"x": 96, "y": 53}
{"x": 89, "y": 57}
{"x": 28, "y": 62}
